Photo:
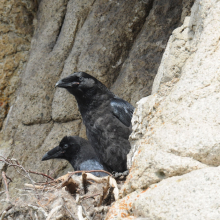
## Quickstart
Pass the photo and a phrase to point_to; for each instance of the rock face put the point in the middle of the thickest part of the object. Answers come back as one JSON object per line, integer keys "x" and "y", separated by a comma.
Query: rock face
{"x": 119, "y": 42}
{"x": 175, "y": 141}
{"x": 175, "y": 130}
{"x": 191, "y": 196}
{"x": 139, "y": 70}
{"x": 16, "y": 28}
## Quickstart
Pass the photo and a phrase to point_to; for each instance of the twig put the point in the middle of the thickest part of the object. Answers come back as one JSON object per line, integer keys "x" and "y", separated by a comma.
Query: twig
{"x": 36, "y": 208}
{"x": 80, "y": 217}
{"x": 84, "y": 182}
{"x": 5, "y": 211}
{"x": 112, "y": 182}
{"x": 14, "y": 163}
{"x": 105, "y": 192}
{"x": 47, "y": 183}
{"x": 107, "y": 200}
{"x": 10, "y": 180}
{"x": 36, "y": 186}
{"x": 2, "y": 192}
{"x": 93, "y": 215}
{"x": 30, "y": 171}
{"x": 68, "y": 209}
{"x": 48, "y": 172}
{"x": 71, "y": 185}
{"x": 86, "y": 214}
{"x": 86, "y": 197}
{"x": 91, "y": 171}
{"x": 9, "y": 162}
{"x": 53, "y": 211}
{"x": 77, "y": 199}
{"x": 6, "y": 185}
{"x": 3, "y": 215}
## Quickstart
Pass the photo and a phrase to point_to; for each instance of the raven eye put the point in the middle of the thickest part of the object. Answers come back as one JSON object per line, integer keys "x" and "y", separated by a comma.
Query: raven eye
{"x": 80, "y": 78}
{"x": 65, "y": 146}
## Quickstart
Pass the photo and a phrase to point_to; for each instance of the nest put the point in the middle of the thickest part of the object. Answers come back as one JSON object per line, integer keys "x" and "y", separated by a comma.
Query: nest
{"x": 84, "y": 197}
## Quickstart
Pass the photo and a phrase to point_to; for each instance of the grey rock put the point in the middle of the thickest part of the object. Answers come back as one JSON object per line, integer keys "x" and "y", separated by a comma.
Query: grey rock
{"x": 101, "y": 46}
{"x": 192, "y": 196}
{"x": 175, "y": 136}
{"x": 154, "y": 165}
{"x": 181, "y": 118}
{"x": 97, "y": 37}
{"x": 140, "y": 68}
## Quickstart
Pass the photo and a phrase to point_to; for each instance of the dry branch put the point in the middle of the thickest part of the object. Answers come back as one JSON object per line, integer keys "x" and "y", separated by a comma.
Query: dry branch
{"x": 9, "y": 162}
{"x": 105, "y": 193}
{"x": 68, "y": 209}
{"x": 37, "y": 186}
{"x": 85, "y": 213}
{"x": 90, "y": 171}
{"x": 84, "y": 182}
{"x": 80, "y": 216}
{"x": 54, "y": 210}
{"x": 112, "y": 182}
{"x": 5, "y": 211}
{"x": 42, "y": 174}
{"x": 6, "y": 186}
{"x": 73, "y": 184}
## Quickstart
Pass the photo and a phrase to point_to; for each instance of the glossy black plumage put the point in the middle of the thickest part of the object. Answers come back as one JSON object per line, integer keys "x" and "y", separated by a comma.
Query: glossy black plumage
{"x": 78, "y": 152}
{"x": 107, "y": 118}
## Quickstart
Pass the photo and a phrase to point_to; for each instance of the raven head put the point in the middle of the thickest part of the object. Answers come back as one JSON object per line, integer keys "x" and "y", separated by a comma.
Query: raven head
{"x": 67, "y": 149}
{"x": 77, "y": 82}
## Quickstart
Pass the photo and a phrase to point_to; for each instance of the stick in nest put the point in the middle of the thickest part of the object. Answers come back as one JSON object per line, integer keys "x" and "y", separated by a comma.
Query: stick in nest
{"x": 6, "y": 186}
{"x": 111, "y": 181}
{"x": 105, "y": 192}
{"x": 84, "y": 182}
{"x": 90, "y": 171}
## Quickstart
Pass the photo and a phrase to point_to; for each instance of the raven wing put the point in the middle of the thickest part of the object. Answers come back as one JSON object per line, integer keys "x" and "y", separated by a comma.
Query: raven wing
{"x": 122, "y": 110}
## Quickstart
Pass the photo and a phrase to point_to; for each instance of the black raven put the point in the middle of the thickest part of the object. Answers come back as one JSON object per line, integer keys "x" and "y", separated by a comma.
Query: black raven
{"x": 107, "y": 118}
{"x": 78, "y": 152}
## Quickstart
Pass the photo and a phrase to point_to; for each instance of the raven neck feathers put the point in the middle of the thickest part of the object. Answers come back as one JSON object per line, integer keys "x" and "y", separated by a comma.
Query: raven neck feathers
{"x": 92, "y": 98}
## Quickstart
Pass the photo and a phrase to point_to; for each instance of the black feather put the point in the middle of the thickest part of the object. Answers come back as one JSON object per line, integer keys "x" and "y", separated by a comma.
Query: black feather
{"x": 78, "y": 152}
{"x": 107, "y": 118}
{"x": 122, "y": 110}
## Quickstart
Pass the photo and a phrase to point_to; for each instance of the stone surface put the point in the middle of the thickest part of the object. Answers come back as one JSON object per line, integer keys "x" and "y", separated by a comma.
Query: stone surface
{"x": 192, "y": 196}
{"x": 5, "y": 151}
{"x": 16, "y": 30}
{"x": 119, "y": 42}
{"x": 181, "y": 120}
{"x": 175, "y": 130}
{"x": 92, "y": 36}
{"x": 29, "y": 150}
{"x": 139, "y": 69}
{"x": 101, "y": 46}
{"x": 154, "y": 165}
{"x": 122, "y": 209}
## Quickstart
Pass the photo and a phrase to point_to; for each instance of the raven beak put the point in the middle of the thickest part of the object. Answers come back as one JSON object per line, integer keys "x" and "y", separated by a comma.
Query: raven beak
{"x": 46, "y": 157}
{"x": 52, "y": 154}
{"x": 62, "y": 84}
{"x": 57, "y": 84}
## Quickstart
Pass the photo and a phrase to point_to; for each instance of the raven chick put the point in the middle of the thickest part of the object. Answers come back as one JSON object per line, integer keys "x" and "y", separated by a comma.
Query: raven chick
{"x": 78, "y": 152}
{"x": 107, "y": 118}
